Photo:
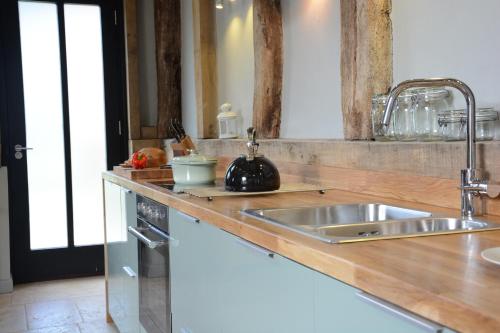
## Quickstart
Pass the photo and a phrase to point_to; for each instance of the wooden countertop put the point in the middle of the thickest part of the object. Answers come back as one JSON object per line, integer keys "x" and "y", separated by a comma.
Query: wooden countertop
{"x": 442, "y": 278}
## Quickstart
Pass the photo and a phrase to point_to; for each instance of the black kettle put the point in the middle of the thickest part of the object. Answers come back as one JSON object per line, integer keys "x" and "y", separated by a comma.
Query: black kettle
{"x": 252, "y": 172}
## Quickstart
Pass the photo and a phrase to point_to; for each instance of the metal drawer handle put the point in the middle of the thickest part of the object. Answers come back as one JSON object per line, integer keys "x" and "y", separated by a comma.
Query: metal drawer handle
{"x": 424, "y": 324}
{"x": 254, "y": 247}
{"x": 129, "y": 271}
{"x": 151, "y": 243}
{"x": 189, "y": 217}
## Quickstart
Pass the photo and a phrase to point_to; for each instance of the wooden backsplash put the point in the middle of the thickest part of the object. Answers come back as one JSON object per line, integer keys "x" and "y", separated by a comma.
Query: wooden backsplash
{"x": 421, "y": 172}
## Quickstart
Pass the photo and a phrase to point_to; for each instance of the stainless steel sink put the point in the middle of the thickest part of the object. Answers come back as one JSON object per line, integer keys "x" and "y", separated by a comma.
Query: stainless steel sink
{"x": 363, "y": 222}
{"x": 338, "y": 214}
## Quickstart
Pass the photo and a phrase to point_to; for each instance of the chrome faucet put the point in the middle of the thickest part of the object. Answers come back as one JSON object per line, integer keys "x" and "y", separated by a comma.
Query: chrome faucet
{"x": 472, "y": 186}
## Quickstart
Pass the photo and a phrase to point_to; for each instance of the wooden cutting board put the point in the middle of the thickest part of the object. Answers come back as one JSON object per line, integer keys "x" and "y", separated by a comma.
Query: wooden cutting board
{"x": 147, "y": 173}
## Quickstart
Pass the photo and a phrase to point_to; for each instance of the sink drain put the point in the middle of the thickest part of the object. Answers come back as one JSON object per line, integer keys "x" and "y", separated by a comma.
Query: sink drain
{"x": 368, "y": 233}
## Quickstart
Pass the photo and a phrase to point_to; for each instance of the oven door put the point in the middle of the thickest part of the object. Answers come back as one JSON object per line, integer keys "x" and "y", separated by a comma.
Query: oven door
{"x": 154, "y": 277}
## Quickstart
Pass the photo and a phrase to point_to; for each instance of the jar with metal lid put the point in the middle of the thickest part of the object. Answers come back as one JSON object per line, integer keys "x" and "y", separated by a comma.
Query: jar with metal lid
{"x": 404, "y": 116}
{"x": 453, "y": 124}
{"x": 229, "y": 122}
{"x": 378, "y": 107}
{"x": 429, "y": 103}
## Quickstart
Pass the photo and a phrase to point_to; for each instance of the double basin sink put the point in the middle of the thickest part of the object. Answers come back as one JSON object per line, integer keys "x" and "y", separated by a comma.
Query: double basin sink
{"x": 364, "y": 222}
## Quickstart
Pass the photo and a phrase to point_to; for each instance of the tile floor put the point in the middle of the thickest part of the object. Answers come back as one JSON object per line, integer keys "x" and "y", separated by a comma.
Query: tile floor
{"x": 64, "y": 306}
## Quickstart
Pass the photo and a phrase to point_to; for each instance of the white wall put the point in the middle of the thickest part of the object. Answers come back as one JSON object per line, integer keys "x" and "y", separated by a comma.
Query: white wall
{"x": 235, "y": 58}
{"x": 463, "y": 43}
{"x": 5, "y": 277}
{"x": 458, "y": 39}
{"x": 311, "y": 82}
{"x": 148, "y": 91}
{"x": 311, "y": 90}
{"x": 187, "y": 75}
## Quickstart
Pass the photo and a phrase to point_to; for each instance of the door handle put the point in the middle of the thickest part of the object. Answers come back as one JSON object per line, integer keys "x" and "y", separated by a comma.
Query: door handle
{"x": 424, "y": 324}
{"x": 19, "y": 148}
{"x": 151, "y": 243}
{"x": 18, "y": 151}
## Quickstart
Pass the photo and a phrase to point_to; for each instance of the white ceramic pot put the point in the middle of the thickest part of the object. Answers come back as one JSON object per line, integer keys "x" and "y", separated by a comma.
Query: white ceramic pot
{"x": 193, "y": 169}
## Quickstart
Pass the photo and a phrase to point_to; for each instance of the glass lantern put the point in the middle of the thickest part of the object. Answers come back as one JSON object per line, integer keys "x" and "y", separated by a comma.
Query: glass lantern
{"x": 229, "y": 122}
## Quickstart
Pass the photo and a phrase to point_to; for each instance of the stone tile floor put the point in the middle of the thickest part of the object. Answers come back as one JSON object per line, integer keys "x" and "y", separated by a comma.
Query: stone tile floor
{"x": 64, "y": 306}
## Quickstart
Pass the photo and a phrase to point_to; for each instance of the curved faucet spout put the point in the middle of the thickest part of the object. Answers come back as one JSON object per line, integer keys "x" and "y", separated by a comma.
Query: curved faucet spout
{"x": 472, "y": 185}
{"x": 441, "y": 82}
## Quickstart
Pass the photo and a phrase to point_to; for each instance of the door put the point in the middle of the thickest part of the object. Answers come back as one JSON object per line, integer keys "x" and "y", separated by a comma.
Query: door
{"x": 196, "y": 271}
{"x": 63, "y": 123}
{"x": 263, "y": 291}
{"x": 342, "y": 308}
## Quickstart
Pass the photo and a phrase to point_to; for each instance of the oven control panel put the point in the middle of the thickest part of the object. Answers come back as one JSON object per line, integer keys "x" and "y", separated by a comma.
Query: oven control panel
{"x": 152, "y": 212}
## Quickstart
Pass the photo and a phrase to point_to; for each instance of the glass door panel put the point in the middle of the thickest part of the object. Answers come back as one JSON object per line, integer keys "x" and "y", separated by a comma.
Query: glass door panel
{"x": 84, "y": 56}
{"x": 41, "y": 69}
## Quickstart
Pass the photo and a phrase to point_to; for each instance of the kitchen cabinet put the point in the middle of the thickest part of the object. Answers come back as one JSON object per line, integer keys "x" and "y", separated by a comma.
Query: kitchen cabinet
{"x": 224, "y": 284}
{"x": 221, "y": 283}
{"x": 264, "y": 292}
{"x": 342, "y": 308}
{"x": 122, "y": 258}
{"x": 195, "y": 273}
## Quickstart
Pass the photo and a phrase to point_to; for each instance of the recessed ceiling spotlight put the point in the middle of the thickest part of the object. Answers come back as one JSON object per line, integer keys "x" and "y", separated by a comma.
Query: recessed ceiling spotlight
{"x": 219, "y": 4}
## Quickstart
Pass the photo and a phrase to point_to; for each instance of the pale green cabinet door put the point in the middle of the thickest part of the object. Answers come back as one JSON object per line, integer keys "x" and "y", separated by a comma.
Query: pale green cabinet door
{"x": 264, "y": 292}
{"x": 123, "y": 288}
{"x": 115, "y": 245}
{"x": 340, "y": 308}
{"x": 220, "y": 283}
{"x": 195, "y": 270}
{"x": 130, "y": 264}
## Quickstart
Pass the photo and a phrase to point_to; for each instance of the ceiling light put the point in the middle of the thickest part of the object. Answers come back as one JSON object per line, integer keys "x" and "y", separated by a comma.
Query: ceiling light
{"x": 219, "y": 4}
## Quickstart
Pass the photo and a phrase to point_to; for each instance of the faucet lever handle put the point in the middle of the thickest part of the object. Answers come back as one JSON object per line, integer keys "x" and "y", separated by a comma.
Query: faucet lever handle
{"x": 493, "y": 190}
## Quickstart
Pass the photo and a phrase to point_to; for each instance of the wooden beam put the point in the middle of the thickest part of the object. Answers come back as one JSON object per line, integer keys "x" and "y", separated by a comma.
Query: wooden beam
{"x": 268, "y": 52}
{"x": 133, "y": 97}
{"x": 168, "y": 63}
{"x": 205, "y": 62}
{"x": 366, "y": 61}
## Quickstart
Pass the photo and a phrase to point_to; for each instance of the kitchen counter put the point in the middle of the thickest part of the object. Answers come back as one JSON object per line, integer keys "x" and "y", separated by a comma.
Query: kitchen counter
{"x": 442, "y": 278}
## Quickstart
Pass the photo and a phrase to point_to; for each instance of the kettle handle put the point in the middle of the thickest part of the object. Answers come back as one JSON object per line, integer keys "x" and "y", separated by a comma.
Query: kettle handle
{"x": 252, "y": 144}
{"x": 252, "y": 133}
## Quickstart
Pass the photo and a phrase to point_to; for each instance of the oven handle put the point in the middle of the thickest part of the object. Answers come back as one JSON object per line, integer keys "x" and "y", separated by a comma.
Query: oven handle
{"x": 151, "y": 243}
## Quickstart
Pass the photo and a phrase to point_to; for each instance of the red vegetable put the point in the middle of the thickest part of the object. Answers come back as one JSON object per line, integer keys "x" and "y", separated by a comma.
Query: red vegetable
{"x": 139, "y": 160}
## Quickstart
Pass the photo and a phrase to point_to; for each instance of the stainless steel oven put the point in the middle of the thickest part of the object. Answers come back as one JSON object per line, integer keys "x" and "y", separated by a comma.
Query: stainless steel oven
{"x": 154, "y": 273}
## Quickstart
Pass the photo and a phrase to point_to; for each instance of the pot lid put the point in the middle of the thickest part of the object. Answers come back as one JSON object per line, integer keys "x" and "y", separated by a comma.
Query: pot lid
{"x": 194, "y": 159}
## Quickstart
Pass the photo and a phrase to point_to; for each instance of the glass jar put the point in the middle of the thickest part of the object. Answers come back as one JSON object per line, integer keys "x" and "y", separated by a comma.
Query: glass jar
{"x": 404, "y": 125}
{"x": 453, "y": 124}
{"x": 378, "y": 107}
{"x": 429, "y": 103}
{"x": 485, "y": 124}
{"x": 229, "y": 122}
